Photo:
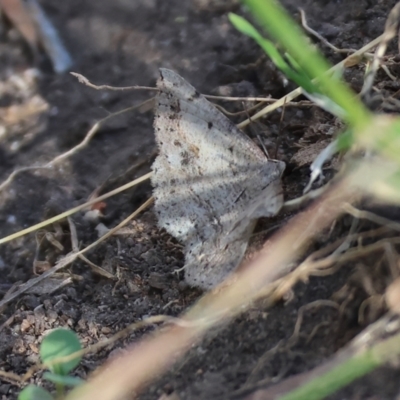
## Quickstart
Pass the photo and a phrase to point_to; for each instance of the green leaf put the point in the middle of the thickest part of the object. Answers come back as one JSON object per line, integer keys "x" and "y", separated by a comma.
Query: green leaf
{"x": 243, "y": 25}
{"x": 65, "y": 380}
{"x": 60, "y": 343}
{"x": 294, "y": 72}
{"x": 345, "y": 140}
{"x": 33, "y": 392}
{"x": 246, "y": 28}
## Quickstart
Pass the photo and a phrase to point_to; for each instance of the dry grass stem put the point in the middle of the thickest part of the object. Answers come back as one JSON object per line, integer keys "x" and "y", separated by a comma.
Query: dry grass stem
{"x": 360, "y": 214}
{"x": 75, "y": 248}
{"x": 85, "y": 81}
{"x": 302, "y": 103}
{"x": 234, "y": 114}
{"x": 390, "y": 32}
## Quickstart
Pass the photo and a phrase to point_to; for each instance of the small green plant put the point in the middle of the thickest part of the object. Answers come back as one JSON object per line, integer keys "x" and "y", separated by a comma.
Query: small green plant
{"x": 57, "y": 345}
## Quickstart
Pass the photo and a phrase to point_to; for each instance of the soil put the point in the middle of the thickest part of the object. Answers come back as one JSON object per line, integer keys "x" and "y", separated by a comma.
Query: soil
{"x": 123, "y": 43}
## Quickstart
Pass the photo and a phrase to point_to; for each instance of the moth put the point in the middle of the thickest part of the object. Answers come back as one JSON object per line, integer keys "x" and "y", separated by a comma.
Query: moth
{"x": 211, "y": 181}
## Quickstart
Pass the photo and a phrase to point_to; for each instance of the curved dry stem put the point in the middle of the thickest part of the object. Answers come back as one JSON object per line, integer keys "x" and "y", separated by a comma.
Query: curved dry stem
{"x": 85, "y": 81}
{"x": 89, "y": 136}
{"x": 16, "y": 172}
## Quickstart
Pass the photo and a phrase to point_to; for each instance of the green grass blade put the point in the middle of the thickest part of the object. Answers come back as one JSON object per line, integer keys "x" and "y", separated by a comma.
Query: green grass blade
{"x": 346, "y": 372}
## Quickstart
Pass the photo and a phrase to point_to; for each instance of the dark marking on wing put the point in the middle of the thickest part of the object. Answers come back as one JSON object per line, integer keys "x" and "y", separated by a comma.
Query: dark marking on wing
{"x": 240, "y": 195}
{"x": 175, "y": 107}
{"x": 185, "y": 158}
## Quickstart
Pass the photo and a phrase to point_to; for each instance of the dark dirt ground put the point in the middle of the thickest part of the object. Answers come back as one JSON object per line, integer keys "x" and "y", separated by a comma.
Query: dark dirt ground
{"x": 124, "y": 43}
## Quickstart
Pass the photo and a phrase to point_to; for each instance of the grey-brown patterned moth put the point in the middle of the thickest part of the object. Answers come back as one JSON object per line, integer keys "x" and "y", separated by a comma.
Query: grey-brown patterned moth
{"x": 211, "y": 182}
